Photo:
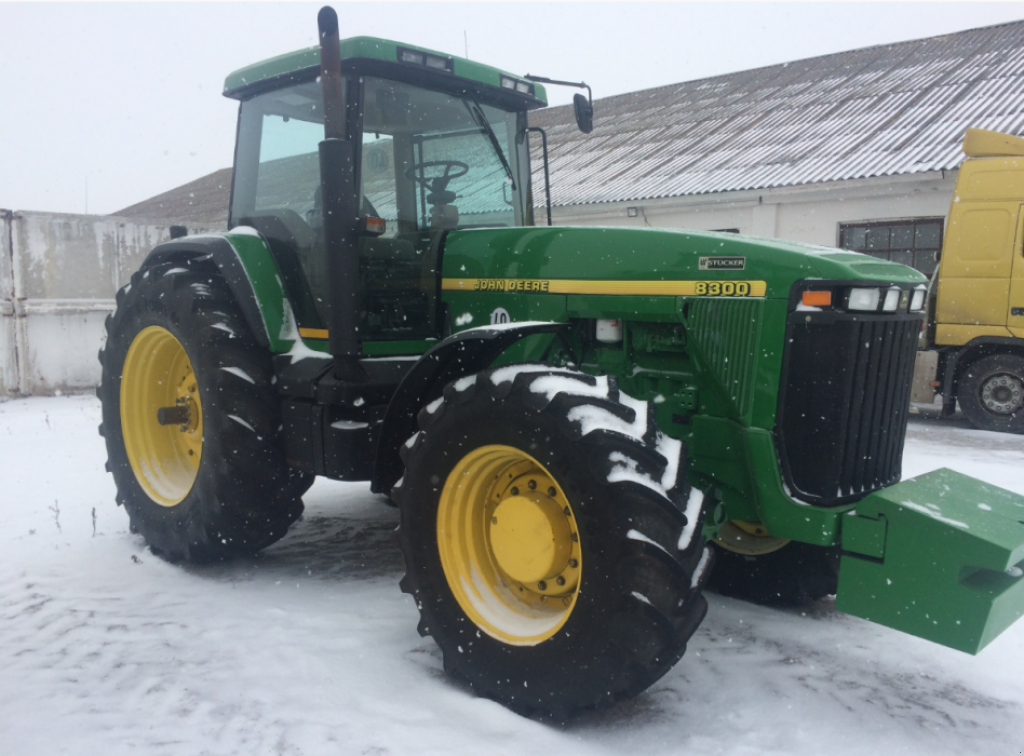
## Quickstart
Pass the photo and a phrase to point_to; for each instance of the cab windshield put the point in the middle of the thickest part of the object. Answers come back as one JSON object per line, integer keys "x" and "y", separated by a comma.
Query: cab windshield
{"x": 430, "y": 162}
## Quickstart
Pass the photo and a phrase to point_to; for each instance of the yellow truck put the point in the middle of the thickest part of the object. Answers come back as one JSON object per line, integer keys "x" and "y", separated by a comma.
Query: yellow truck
{"x": 973, "y": 343}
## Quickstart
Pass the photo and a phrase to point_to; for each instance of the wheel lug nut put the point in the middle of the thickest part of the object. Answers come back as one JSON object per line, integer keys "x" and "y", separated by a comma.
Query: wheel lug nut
{"x": 567, "y": 512}
{"x": 515, "y": 491}
{"x": 532, "y": 484}
{"x": 542, "y": 585}
{"x": 574, "y": 563}
{"x": 560, "y": 580}
{"x": 494, "y": 520}
{"x": 552, "y": 491}
{"x": 575, "y": 537}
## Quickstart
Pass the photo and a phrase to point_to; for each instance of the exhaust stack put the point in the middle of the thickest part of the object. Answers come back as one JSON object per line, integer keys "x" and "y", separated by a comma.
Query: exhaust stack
{"x": 340, "y": 207}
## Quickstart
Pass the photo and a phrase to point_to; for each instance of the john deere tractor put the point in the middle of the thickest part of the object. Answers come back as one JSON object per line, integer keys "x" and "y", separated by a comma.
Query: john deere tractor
{"x": 575, "y": 423}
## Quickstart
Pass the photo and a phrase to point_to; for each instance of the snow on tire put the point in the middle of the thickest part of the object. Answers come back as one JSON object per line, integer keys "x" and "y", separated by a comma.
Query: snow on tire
{"x": 191, "y": 419}
{"x": 551, "y": 540}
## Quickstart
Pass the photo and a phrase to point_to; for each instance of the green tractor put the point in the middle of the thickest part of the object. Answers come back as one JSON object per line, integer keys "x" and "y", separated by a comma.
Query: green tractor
{"x": 581, "y": 427}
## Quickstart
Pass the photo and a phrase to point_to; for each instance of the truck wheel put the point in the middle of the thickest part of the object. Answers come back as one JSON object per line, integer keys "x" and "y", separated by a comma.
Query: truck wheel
{"x": 991, "y": 393}
{"x": 754, "y": 566}
{"x": 550, "y": 540}
{"x": 191, "y": 419}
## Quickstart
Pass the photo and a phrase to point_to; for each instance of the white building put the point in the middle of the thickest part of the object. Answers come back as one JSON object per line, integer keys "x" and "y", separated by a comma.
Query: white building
{"x": 857, "y": 149}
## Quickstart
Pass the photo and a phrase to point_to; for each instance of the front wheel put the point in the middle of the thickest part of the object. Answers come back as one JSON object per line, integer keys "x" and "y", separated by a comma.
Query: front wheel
{"x": 991, "y": 393}
{"x": 755, "y": 566}
{"x": 551, "y": 542}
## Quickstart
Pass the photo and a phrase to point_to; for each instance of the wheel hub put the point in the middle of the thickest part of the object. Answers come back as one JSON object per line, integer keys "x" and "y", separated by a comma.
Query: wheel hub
{"x": 530, "y": 537}
{"x": 749, "y": 538}
{"x": 1003, "y": 394}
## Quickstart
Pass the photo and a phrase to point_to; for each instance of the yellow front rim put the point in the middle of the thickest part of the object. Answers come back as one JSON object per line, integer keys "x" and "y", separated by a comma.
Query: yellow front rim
{"x": 158, "y": 375}
{"x": 748, "y": 538}
{"x": 509, "y": 545}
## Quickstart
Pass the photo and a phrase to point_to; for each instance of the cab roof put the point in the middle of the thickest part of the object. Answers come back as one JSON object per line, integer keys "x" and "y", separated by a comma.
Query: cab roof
{"x": 257, "y": 77}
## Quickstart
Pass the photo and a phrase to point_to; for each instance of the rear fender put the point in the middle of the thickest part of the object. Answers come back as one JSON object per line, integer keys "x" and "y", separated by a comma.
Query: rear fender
{"x": 245, "y": 261}
{"x": 466, "y": 352}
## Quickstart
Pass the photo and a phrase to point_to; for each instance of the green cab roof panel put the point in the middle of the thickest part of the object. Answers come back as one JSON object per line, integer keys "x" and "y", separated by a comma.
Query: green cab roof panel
{"x": 362, "y": 47}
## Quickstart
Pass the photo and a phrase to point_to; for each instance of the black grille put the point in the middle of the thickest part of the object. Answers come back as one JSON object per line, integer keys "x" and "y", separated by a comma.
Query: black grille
{"x": 843, "y": 403}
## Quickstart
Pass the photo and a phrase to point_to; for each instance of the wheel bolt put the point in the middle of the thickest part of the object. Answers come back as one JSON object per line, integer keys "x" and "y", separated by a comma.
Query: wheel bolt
{"x": 574, "y": 563}
{"x": 494, "y": 520}
{"x": 532, "y": 484}
{"x": 542, "y": 585}
{"x": 515, "y": 491}
{"x": 560, "y": 580}
{"x": 575, "y": 537}
{"x": 567, "y": 512}
{"x": 552, "y": 491}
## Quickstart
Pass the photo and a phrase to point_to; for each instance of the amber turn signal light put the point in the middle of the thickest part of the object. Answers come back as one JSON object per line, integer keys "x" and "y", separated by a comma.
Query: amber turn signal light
{"x": 817, "y": 298}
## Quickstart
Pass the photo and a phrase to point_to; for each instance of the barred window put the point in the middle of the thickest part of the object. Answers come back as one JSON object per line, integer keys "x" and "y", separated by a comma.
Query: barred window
{"x": 916, "y": 242}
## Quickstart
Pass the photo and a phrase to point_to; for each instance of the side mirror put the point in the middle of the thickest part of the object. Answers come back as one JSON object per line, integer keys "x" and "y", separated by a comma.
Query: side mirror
{"x": 584, "y": 113}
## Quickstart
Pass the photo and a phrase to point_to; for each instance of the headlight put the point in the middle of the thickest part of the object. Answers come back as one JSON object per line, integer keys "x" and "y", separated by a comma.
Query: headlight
{"x": 892, "y": 300}
{"x": 863, "y": 299}
{"x": 917, "y": 300}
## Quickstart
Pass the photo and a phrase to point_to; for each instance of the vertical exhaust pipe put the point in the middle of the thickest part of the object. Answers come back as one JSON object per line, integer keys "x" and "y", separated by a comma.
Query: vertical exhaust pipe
{"x": 340, "y": 207}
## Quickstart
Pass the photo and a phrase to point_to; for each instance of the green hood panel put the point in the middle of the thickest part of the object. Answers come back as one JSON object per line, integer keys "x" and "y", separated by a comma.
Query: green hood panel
{"x": 631, "y": 254}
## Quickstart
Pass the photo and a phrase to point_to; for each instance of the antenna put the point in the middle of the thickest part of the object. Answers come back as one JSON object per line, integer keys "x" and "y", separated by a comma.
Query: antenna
{"x": 465, "y": 39}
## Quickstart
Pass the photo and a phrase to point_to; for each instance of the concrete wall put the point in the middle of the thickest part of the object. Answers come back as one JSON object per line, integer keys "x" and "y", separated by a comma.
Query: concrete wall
{"x": 58, "y": 277}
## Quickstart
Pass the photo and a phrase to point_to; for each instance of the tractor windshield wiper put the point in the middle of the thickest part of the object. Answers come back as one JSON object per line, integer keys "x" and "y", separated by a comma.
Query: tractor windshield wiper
{"x": 485, "y": 127}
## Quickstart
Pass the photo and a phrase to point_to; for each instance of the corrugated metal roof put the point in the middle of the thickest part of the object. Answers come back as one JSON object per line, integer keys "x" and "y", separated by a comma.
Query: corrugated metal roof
{"x": 203, "y": 201}
{"x": 877, "y": 111}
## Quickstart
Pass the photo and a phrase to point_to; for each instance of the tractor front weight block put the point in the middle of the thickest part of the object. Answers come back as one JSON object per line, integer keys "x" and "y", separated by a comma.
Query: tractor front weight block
{"x": 940, "y": 556}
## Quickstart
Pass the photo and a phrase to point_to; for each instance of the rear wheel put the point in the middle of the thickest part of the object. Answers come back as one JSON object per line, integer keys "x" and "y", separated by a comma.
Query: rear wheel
{"x": 550, "y": 540}
{"x": 191, "y": 419}
{"x": 991, "y": 393}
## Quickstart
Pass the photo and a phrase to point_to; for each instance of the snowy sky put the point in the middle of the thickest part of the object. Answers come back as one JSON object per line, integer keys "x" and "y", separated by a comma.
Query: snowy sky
{"x": 107, "y": 105}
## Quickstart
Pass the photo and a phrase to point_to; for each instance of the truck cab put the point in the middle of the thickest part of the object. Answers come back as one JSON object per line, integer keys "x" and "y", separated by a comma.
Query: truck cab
{"x": 977, "y": 297}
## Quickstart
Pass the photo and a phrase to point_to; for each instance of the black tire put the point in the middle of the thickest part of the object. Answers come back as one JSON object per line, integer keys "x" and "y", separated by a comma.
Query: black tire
{"x": 794, "y": 575}
{"x": 243, "y": 496}
{"x": 991, "y": 393}
{"x": 643, "y": 561}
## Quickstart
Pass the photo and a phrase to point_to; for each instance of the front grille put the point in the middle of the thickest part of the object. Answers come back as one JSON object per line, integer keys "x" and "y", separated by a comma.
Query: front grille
{"x": 843, "y": 403}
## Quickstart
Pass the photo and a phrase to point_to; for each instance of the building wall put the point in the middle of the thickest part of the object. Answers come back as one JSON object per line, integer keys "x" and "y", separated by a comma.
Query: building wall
{"x": 809, "y": 214}
{"x": 58, "y": 277}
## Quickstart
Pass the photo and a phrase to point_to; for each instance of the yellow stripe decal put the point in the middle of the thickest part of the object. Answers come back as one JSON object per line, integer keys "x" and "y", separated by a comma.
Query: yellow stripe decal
{"x": 651, "y": 288}
{"x": 313, "y": 333}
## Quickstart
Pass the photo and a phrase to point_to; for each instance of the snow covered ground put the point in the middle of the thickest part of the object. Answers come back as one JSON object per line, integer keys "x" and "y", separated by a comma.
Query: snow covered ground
{"x": 310, "y": 648}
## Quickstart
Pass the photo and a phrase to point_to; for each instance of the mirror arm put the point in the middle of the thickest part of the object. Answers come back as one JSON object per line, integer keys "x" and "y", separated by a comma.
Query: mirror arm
{"x": 577, "y": 84}
{"x": 547, "y": 175}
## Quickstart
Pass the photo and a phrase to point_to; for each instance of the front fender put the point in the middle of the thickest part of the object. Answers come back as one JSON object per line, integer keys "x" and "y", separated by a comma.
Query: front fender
{"x": 466, "y": 352}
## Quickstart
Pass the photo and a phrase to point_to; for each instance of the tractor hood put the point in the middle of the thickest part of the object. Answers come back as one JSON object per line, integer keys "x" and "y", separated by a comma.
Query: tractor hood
{"x": 630, "y": 256}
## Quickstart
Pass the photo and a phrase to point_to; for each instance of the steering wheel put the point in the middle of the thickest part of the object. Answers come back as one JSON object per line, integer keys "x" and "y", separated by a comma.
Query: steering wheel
{"x": 437, "y": 186}
{"x": 462, "y": 168}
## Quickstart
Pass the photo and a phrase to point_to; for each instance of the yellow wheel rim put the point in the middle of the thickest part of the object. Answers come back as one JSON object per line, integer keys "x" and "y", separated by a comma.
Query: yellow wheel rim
{"x": 509, "y": 545}
{"x": 748, "y": 538}
{"x": 157, "y": 375}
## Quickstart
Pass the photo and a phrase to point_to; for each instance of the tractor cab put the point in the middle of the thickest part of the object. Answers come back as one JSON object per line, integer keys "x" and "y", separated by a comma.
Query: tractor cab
{"x": 433, "y": 152}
